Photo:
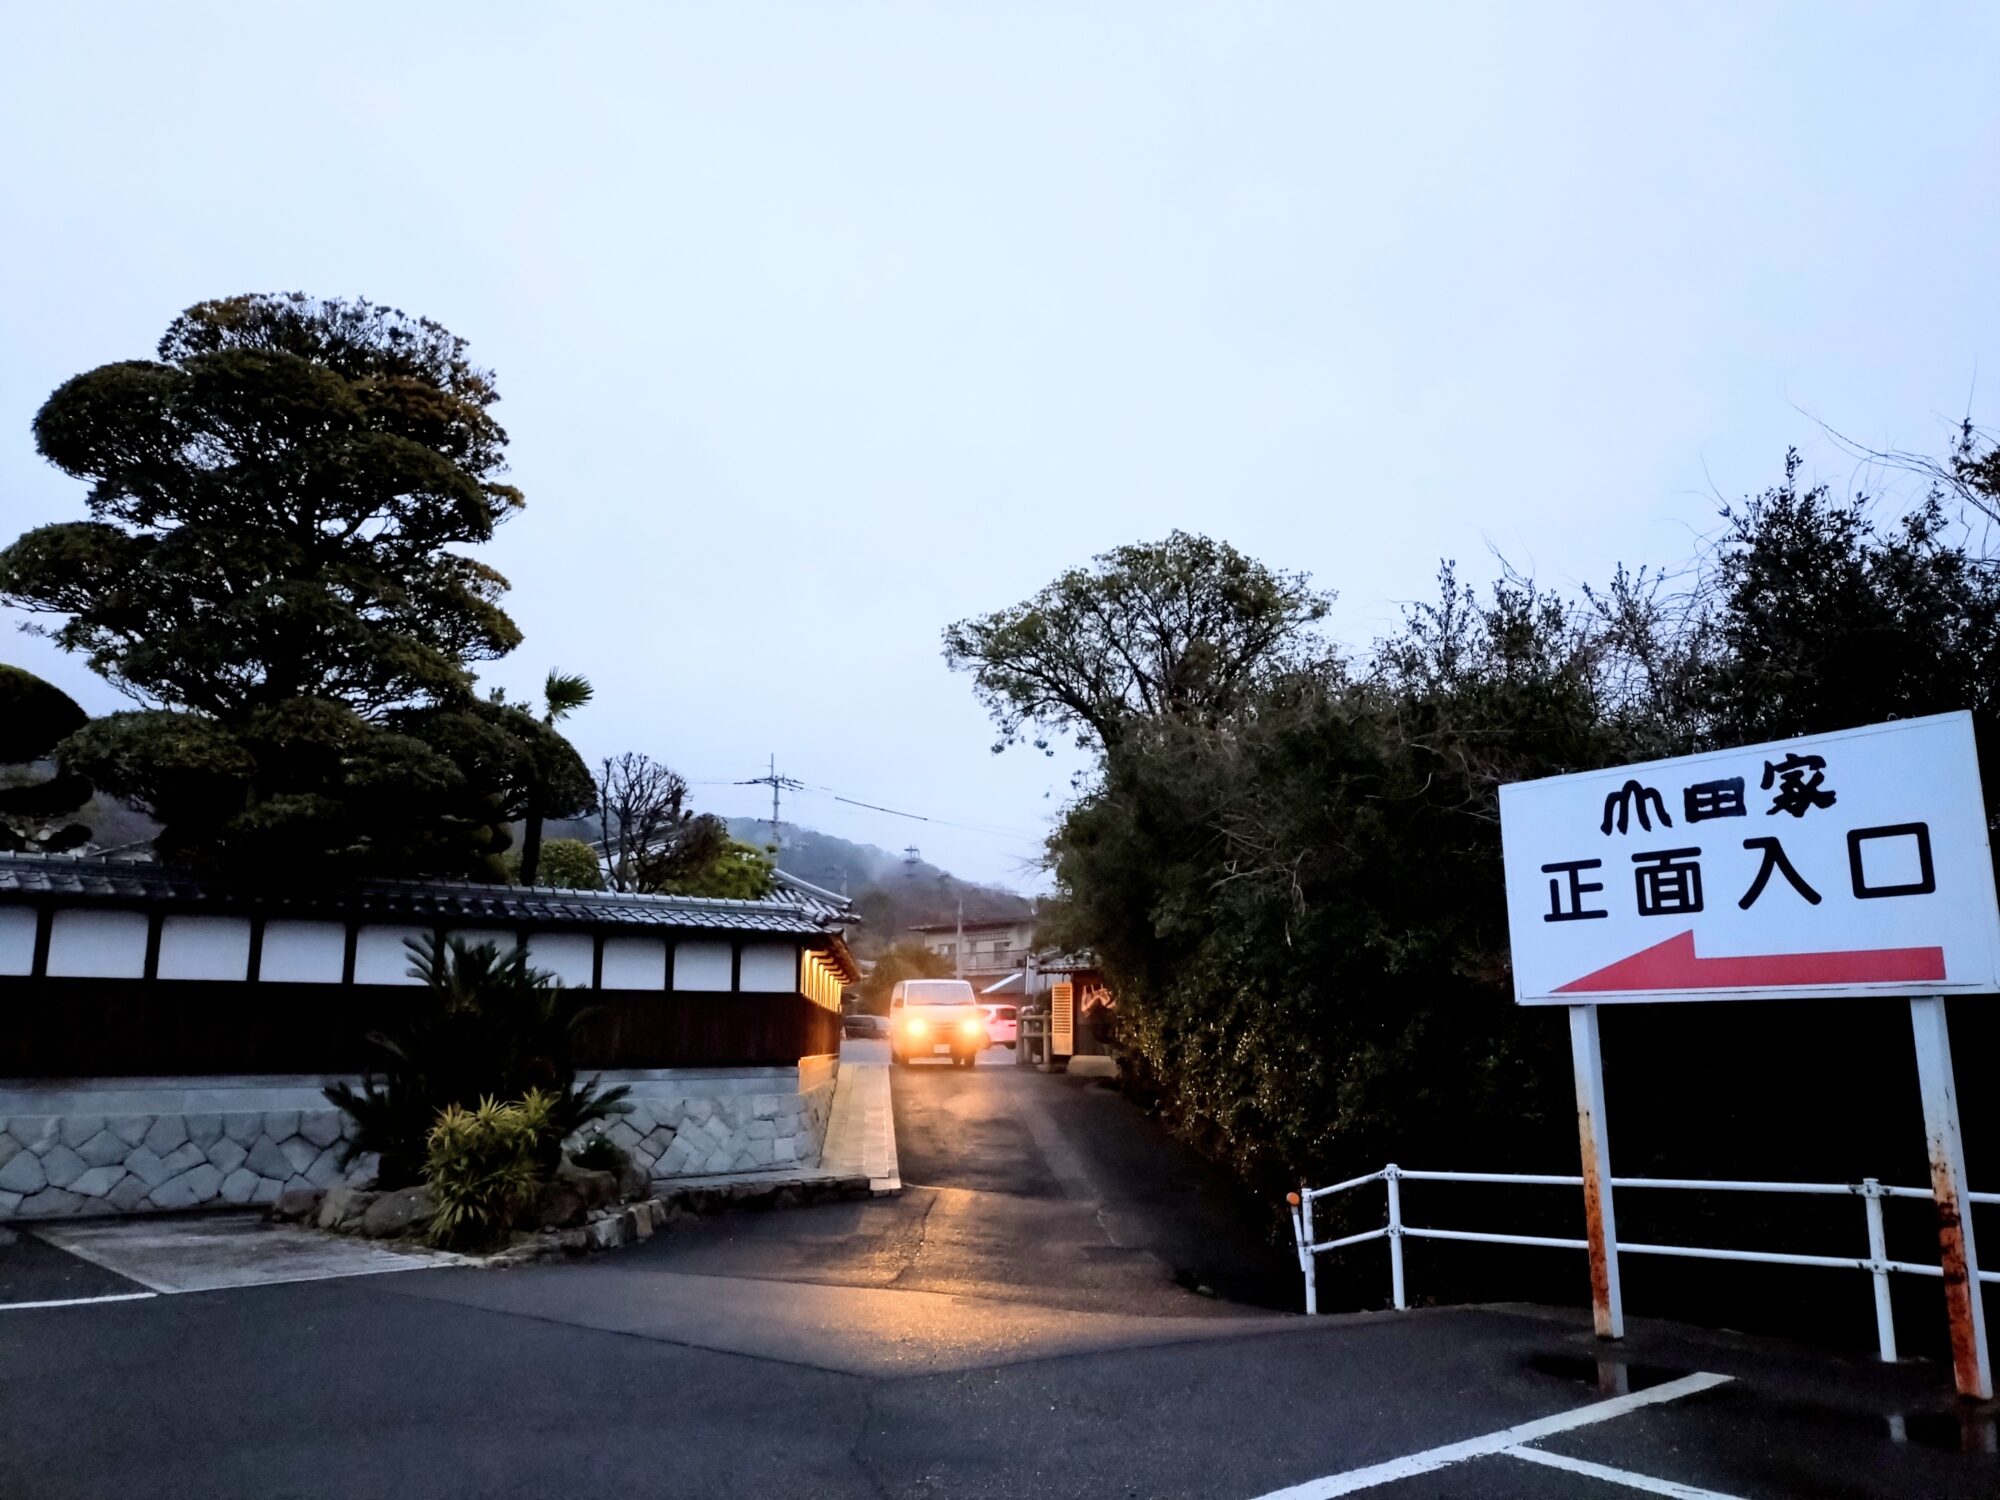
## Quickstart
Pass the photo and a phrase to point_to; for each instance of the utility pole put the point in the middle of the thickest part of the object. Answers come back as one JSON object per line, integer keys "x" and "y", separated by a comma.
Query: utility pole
{"x": 776, "y": 783}
{"x": 958, "y": 948}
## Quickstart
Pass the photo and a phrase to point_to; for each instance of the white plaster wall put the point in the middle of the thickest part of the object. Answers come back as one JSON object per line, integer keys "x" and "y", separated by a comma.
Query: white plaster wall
{"x": 770, "y": 968}
{"x": 204, "y": 947}
{"x": 303, "y": 952}
{"x": 98, "y": 945}
{"x": 564, "y": 954}
{"x": 381, "y": 958}
{"x": 17, "y": 940}
{"x": 503, "y": 939}
{"x": 701, "y": 964}
{"x": 635, "y": 963}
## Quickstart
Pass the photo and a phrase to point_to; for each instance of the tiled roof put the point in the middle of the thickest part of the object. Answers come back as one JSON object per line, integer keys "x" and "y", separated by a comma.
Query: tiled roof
{"x": 788, "y": 911}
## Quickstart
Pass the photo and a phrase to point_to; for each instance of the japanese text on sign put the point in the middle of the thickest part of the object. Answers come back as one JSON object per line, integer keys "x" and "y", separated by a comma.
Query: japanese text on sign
{"x": 1846, "y": 863}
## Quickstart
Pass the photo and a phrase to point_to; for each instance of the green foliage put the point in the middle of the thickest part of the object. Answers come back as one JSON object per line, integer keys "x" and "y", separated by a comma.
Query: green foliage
{"x": 484, "y": 1023}
{"x": 1299, "y": 904}
{"x": 273, "y": 564}
{"x": 598, "y": 1153}
{"x": 1184, "y": 628}
{"x": 34, "y": 717}
{"x": 736, "y": 870}
{"x": 484, "y": 1167}
{"x": 568, "y": 864}
{"x": 903, "y": 961}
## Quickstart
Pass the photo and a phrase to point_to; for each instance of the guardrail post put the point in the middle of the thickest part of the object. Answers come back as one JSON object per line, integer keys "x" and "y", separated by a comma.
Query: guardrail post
{"x": 1306, "y": 1250}
{"x": 1607, "y": 1305}
{"x": 1878, "y": 1256}
{"x": 1393, "y": 1175}
{"x": 1970, "y": 1364}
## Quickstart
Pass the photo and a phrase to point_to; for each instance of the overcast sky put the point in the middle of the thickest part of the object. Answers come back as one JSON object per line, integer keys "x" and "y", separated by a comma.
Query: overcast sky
{"x": 818, "y": 326}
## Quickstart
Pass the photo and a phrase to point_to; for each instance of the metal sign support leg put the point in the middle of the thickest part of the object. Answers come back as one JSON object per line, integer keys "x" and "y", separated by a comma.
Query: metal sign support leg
{"x": 1607, "y": 1306}
{"x": 1970, "y": 1363}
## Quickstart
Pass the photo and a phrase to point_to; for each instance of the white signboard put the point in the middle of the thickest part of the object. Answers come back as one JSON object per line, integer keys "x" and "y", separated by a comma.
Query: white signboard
{"x": 1838, "y": 864}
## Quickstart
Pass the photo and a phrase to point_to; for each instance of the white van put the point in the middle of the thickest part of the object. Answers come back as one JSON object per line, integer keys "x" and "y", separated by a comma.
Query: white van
{"x": 935, "y": 1018}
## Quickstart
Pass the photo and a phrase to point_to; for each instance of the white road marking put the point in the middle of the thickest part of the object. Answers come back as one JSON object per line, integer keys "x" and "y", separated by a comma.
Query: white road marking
{"x": 1609, "y": 1475}
{"x": 1494, "y": 1442}
{"x": 77, "y": 1301}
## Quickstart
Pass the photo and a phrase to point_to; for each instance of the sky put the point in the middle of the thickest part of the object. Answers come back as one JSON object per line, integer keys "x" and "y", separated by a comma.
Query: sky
{"x": 819, "y": 326}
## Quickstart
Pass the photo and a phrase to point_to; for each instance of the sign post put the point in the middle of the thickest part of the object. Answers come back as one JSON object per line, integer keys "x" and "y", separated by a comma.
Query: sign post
{"x": 1834, "y": 865}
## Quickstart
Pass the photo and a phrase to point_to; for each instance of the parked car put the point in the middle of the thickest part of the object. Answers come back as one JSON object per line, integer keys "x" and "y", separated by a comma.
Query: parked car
{"x": 935, "y": 1018}
{"x": 862, "y": 1024}
{"x": 1003, "y": 1024}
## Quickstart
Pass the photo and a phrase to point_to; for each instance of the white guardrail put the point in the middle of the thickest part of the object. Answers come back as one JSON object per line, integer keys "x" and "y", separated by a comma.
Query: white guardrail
{"x": 1876, "y": 1263}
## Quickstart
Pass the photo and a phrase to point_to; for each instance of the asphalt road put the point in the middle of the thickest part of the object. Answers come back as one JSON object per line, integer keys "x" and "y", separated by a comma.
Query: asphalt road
{"x": 1062, "y": 1303}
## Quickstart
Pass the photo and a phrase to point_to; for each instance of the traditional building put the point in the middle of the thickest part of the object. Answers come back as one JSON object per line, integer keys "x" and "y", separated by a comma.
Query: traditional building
{"x": 145, "y": 1004}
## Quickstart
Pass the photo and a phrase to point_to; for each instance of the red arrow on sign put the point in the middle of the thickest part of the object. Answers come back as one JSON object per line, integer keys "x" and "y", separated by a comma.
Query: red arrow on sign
{"x": 1672, "y": 965}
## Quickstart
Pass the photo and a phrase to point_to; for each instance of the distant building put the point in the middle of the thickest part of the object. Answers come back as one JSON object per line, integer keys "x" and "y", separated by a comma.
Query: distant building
{"x": 992, "y": 950}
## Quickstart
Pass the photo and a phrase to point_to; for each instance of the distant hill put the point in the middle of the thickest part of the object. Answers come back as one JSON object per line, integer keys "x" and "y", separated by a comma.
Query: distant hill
{"x": 891, "y": 892}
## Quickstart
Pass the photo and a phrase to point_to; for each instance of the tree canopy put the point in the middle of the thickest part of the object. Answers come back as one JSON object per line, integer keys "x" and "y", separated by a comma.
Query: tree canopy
{"x": 271, "y": 568}
{"x": 34, "y": 717}
{"x": 1184, "y": 628}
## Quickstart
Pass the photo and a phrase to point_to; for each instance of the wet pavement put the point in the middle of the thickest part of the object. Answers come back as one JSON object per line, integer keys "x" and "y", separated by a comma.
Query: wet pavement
{"x": 1023, "y": 1321}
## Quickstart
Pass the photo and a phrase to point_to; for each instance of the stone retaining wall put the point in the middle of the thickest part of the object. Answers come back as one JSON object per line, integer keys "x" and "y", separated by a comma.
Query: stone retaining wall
{"x": 703, "y": 1123}
{"x": 118, "y": 1146}
{"x": 55, "y": 1166}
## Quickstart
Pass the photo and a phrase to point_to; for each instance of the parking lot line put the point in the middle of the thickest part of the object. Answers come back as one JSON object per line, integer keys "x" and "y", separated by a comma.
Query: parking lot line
{"x": 77, "y": 1301}
{"x": 1625, "y": 1477}
{"x": 1411, "y": 1464}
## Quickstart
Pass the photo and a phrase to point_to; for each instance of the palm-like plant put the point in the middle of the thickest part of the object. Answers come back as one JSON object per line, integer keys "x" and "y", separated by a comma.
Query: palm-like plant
{"x": 484, "y": 1024}
{"x": 563, "y": 693}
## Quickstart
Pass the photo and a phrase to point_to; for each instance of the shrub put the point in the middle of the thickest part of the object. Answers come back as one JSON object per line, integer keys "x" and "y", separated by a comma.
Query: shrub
{"x": 484, "y": 1025}
{"x": 484, "y": 1167}
{"x": 598, "y": 1153}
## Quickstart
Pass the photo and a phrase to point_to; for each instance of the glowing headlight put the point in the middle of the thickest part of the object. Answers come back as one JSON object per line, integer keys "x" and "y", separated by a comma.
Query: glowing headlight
{"x": 968, "y": 1028}
{"x": 920, "y": 1028}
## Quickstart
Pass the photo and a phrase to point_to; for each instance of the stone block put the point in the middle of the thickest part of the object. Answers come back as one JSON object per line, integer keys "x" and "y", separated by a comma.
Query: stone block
{"x": 36, "y": 1133}
{"x": 268, "y": 1190}
{"x": 196, "y": 1185}
{"x": 204, "y": 1129}
{"x": 321, "y": 1127}
{"x": 785, "y": 1149}
{"x": 300, "y": 1153}
{"x": 761, "y": 1151}
{"x": 325, "y": 1168}
{"x": 364, "y": 1169}
{"x": 102, "y": 1149}
{"x": 342, "y": 1207}
{"x": 299, "y": 1203}
{"x": 186, "y": 1154}
{"x": 607, "y": 1233}
{"x": 266, "y": 1160}
{"x": 349, "y": 1126}
{"x": 718, "y": 1161}
{"x": 396, "y": 1213}
{"x": 716, "y": 1129}
{"x": 759, "y": 1130}
{"x": 9, "y": 1148}
{"x": 656, "y": 1211}
{"x": 9, "y": 1202}
{"x": 50, "y": 1203}
{"x": 63, "y": 1166}
{"x": 238, "y": 1186}
{"x": 243, "y": 1126}
{"x": 131, "y": 1129}
{"x": 698, "y": 1109}
{"x": 281, "y": 1124}
{"x": 638, "y": 1223}
{"x": 228, "y": 1154}
{"x": 168, "y": 1133}
{"x": 768, "y": 1106}
{"x": 670, "y": 1112}
{"x": 145, "y": 1164}
{"x": 656, "y": 1142}
{"x": 622, "y": 1134}
{"x": 76, "y": 1129}
{"x": 23, "y": 1174}
{"x": 127, "y": 1195}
